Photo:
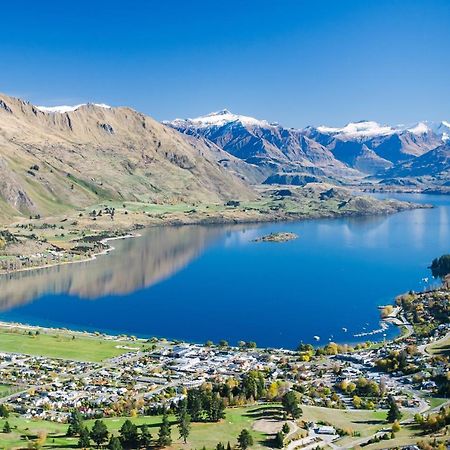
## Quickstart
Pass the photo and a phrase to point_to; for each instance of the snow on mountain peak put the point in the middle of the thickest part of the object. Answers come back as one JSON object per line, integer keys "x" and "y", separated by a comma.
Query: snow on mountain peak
{"x": 441, "y": 129}
{"x": 365, "y": 128}
{"x": 221, "y": 118}
{"x": 420, "y": 128}
{"x": 223, "y": 112}
{"x": 65, "y": 108}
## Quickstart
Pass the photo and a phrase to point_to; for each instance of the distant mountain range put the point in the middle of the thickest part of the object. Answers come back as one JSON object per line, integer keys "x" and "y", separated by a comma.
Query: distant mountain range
{"x": 55, "y": 158}
{"x": 434, "y": 164}
{"x": 345, "y": 154}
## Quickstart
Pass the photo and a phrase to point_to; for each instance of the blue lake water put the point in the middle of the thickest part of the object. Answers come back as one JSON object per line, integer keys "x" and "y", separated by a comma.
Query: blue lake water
{"x": 212, "y": 282}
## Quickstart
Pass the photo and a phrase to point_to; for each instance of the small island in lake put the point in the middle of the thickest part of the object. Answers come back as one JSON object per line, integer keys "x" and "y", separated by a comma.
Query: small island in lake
{"x": 277, "y": 237}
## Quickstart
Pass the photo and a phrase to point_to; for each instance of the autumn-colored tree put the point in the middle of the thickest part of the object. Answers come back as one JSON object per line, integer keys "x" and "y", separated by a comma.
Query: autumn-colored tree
{"x": 396, "y": 426}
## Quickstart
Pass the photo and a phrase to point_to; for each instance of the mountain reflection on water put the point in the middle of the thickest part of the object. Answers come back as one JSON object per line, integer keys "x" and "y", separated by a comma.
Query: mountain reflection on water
{"x": 133, "y": 264}
{"x": 198, "y": 283}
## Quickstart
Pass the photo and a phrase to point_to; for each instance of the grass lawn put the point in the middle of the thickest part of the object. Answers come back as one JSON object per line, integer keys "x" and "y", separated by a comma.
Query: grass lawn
{"x": 5, "y": 390}
{"x": 441, "y": 347}
{"x": 202, "y": 434}
{"x": 61, "y": 345}
{"x": 436, "y": 401}
{"x": 27, "y": 430}
{"x": 408, "y": 435}
{"x": 366, "y": 422}
{"x": 228, "y": 430}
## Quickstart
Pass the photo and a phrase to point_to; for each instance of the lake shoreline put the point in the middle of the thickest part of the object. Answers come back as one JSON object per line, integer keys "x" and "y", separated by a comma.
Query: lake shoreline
{"x": 396, "y": 318}
{"x": 393, "y": 319}
{"x": 12, "y": 325}
{"x": 90, "y": 258}
{"x": 164, "y": 252}
{"x": 130, "y": 231}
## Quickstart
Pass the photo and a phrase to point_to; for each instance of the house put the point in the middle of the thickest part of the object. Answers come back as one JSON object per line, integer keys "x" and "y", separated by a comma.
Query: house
{"x": 324, "y": 429}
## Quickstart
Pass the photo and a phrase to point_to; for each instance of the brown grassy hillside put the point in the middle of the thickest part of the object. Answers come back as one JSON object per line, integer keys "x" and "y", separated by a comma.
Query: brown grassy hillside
{"x": 52, "y": 162}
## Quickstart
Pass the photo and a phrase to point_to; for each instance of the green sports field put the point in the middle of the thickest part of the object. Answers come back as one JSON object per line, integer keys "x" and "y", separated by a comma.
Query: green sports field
{"x": 64, "y": 345}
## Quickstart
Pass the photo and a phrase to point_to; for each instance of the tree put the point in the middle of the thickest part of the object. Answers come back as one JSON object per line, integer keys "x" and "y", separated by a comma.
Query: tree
{"x": 228, "y": 446}
{"x": 195, "y": 404}
{"x": 253, "y": 384}
{"x": 440, "y": 267}
{"x": 215, "y": 408}
{"x": 220, "y": 446}
{"x": 272, "y": 391}
{"x": 245, "y": 439}
{"x": 84, "y": 441}
{"x": 357, "y": 401}
{"x": 70, "y": 431}
{"x": 285, "y": 428}
{"x": 402, "y": 359}
{"x": 145, "y": 437}
{"x": 291, "y": 404}
{"x": 394, "y": 412}
{"x": 305, "y": 347}
{"x": 184, "y": 425}
{"x": 278, "y": 441}
{"x": 4, "y": 411}
{"x": 6, "y": 427}
{"x": 396, "y": 426}
{"x": 114, "y": 443}
{"x": 129, "y": 436}
{"x": 99, "y": 433}
{"x": 164, "y": 434}
{"x": 40, "y": 439}
{"x": 75, "y": 423}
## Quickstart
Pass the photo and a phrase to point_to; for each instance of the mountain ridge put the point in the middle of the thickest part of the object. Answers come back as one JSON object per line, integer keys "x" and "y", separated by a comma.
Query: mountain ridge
{"x": 57, "y": 158}
{"x": 357, "y": 150}
{"x": 50, "y": 161}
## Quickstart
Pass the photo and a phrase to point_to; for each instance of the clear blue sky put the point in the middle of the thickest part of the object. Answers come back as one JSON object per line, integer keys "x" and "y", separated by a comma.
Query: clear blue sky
{"x": 293, "y": 61}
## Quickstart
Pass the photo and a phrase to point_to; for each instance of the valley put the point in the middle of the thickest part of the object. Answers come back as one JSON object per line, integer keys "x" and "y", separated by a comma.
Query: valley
{"x": 225, "y": 225}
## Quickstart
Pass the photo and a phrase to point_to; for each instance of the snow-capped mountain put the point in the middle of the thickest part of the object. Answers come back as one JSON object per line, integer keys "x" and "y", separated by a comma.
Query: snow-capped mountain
{"x": 358, "y": 130}
{"x": 268, "y": 145}
{"x": 441, "y": 129}
{"x": 364, "y": 147}
{"x": 371, "y": 147}
{"x": 368, "y": 129}
{"x": 65, "y": 108}
{"x": 219, "y": 119}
